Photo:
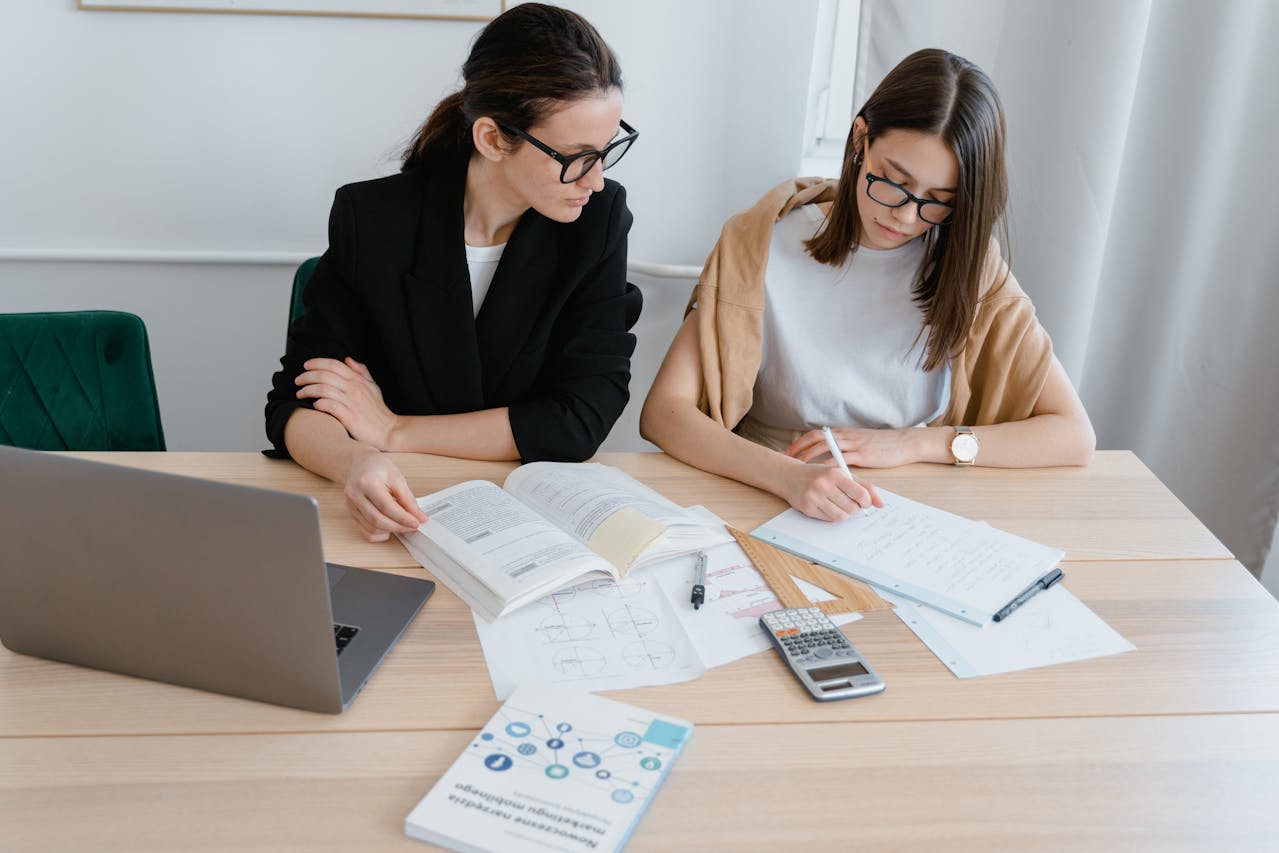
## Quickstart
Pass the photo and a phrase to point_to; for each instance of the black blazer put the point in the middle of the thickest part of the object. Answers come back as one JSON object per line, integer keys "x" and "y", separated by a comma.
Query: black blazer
{"x": 551, "y": 341}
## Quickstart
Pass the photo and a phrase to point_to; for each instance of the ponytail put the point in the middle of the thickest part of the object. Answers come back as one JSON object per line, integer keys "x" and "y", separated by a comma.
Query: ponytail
{"x": 441, "y": 136}
{"x": 524, "y": 65}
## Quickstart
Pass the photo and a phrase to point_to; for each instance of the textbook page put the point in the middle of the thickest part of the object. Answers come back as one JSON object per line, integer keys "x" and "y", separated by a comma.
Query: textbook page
{"x": 509, "y": 548}
{"x": 966, "y": 569}
{"x": 616, "y": 516}
{"x": 686, "y": 537}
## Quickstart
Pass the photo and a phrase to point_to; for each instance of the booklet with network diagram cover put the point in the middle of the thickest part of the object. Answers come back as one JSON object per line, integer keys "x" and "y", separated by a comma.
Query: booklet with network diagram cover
{"x": 550, "y": 525}
{"x": 554, "y": 769}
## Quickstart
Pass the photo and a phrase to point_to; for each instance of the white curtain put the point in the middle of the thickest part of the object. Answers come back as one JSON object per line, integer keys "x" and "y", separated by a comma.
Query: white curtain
{"x": 1145, "y": 219}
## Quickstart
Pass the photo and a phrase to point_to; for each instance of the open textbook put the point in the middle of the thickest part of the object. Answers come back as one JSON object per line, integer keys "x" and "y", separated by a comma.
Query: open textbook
{"x": 551, "y": 525}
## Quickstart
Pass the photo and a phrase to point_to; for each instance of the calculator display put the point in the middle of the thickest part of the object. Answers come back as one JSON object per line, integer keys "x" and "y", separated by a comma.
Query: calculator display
{"x": 843, "y": 670}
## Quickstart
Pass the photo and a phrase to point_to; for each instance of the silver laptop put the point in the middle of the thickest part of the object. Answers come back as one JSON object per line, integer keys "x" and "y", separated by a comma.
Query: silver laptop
{"x": 188, "y": 581}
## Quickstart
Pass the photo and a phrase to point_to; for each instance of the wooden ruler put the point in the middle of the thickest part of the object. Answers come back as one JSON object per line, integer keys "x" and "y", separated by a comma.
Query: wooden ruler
{"x": 778, "y": 567}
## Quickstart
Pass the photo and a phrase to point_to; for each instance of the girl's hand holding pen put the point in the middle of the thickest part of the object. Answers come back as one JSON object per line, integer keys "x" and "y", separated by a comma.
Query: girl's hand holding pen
{"x": 826, "y": 493}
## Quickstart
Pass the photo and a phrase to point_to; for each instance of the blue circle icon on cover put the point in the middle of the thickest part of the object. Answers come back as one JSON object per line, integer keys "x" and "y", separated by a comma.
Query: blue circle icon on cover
{"x": 518, "y": 729}
{"x": 555, "y": 743}
{"x": 526, "y": 749}
{"x": 629, "y": 740}
{"x": 621, "y": 795}
{"x": 586, "y": 759}
{"x": 486, "y": 736}
{"x": 557, "y": 771}
{"x": 602, "y": 774}
{"x": 498, "y": 762}
{"x": 562, "y": 728}
{"x": 650, "y": 763}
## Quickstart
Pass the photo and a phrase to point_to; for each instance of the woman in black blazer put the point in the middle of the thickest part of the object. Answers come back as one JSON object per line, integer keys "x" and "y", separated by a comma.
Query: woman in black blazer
{"x": 407, "y": 345}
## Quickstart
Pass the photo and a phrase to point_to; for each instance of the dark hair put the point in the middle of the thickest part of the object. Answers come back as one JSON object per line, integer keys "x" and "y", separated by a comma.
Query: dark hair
{"x": 936, "y": 92}
{"x": 523, "y": 64}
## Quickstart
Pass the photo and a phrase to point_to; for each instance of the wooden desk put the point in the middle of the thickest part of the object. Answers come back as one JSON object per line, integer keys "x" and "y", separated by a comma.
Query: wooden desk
{"x": 1173, "y": 746}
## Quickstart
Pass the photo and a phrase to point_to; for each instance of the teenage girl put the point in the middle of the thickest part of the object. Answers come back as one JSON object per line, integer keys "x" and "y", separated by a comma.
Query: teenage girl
{"x": 880, "y": 305}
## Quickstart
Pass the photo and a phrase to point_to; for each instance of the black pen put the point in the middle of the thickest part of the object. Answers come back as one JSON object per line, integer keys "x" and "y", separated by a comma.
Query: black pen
{"x": 699, "y": 586}
{"x": 1030, "y": 592}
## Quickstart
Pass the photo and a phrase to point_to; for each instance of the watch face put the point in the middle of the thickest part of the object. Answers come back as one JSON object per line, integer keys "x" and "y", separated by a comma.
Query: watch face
{"x": 964, "y": 447}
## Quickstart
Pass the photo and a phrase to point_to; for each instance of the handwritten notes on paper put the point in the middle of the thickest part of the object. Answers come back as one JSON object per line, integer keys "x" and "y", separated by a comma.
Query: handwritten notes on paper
{"x": 961, "y": 567}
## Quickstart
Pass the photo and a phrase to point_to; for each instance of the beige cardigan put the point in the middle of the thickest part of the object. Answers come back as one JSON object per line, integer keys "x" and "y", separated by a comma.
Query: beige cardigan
{"x": 997, "y": 377}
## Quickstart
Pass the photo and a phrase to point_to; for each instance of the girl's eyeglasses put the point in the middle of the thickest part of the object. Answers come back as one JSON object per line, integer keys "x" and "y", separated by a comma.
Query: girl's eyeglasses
{"x": 890, "y": 194}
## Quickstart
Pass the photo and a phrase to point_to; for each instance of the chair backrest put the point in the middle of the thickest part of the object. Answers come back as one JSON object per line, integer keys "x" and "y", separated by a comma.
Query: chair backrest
{"x": 300, "y": 278}
{"x": 77, "y": 380}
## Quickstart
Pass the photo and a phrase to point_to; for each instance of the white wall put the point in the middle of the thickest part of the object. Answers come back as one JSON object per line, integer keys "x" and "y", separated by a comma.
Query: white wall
{"x": 228, "y": 134}
{"x": 1062, "y": 181}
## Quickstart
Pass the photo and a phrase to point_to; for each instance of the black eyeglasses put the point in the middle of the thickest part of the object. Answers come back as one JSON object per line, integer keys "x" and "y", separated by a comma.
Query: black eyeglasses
{"x": 573, "y": 167}
{"x": 890, "y": 194}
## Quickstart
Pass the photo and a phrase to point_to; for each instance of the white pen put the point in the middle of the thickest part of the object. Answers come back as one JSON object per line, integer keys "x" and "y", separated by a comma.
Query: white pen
{"x": 836, "y": 453}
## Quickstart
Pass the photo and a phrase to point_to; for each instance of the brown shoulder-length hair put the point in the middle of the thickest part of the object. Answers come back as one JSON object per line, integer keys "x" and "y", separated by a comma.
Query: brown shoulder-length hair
{"x": 523, "y": 65}
{"x": 936, "y": 92}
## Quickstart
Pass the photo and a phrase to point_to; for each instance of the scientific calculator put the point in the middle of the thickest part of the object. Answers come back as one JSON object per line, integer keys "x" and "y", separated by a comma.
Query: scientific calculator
{"x": 819, "y": 655}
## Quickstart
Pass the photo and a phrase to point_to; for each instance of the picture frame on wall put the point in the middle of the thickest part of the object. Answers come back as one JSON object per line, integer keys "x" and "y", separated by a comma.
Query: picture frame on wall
{"x": 458, "y": 10}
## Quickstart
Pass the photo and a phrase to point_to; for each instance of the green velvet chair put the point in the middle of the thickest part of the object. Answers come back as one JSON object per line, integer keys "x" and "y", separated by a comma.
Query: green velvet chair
{"x": 300, "y": 278}
{"x": 77, "y": 380}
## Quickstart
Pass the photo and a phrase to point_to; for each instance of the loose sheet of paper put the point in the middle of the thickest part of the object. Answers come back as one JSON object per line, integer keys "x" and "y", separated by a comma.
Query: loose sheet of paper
{"x": 599, "y": 635}
{"x": 1052, "y": 627}
{"x": 604, "y": 635}
{"x": 726, "y": 628}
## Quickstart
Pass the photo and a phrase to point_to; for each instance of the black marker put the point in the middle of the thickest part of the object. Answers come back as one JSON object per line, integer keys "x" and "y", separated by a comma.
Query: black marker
{"x": 699, "y": 586}
{"x": 1030, "y": 592}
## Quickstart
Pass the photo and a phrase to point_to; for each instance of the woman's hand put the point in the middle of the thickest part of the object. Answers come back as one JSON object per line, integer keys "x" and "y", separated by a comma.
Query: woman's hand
{"x": 826, "y": 493}
{"x": 864, "y": 448}
{"x": 346, "y": 390}
{"x": 379, "y": 498}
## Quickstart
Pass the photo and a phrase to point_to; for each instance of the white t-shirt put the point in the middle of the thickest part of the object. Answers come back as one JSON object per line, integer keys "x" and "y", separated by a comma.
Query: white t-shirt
{"x": 481, "y": 263}
{"x": 843, "y": 346}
